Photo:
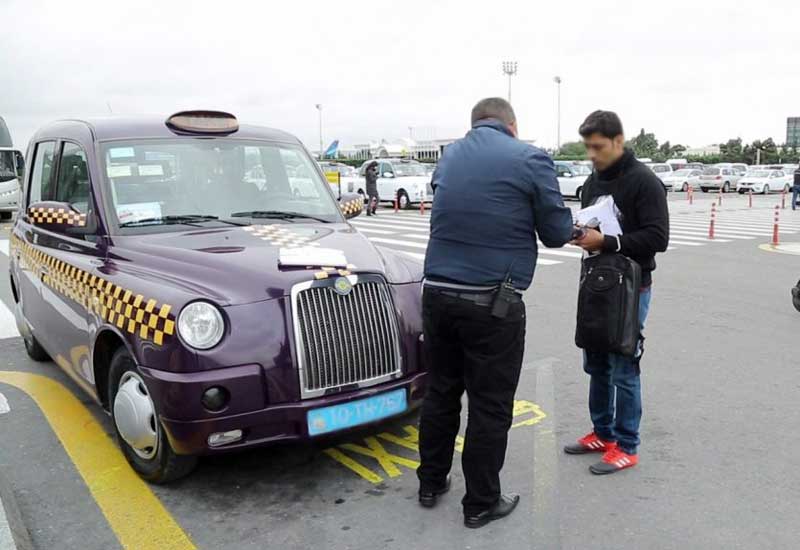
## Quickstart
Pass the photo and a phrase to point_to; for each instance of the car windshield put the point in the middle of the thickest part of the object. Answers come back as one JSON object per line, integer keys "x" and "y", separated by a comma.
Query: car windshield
{"x": 682, "y": 173}
{"x": 403, "y": 169}
{"x": 758, "y": 174}
{"x": 711, "y": 171}
{"x": 582, "y": 169}
{"x": 7, "y": 170}
{"x": 173, "y": 180}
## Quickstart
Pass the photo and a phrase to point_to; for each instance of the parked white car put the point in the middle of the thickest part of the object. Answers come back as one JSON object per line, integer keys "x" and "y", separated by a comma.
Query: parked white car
{"x": 571, "y": 178}
{"x": 682, "y": 180}
{"x": 764, "y": 182}
{"x": 405, "y": 180}
{"x": 719, "y": 178}
{"x": 661, "y": 169}
{"x": 11, "y": 164}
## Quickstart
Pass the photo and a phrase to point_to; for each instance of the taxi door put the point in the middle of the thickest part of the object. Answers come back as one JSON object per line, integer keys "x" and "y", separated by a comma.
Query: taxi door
{"x": 70, "y": 260}
{"x": 24, "y": 247}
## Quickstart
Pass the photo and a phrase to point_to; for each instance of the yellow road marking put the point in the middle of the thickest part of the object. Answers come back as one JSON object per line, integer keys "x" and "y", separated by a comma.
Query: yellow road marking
{"x": 134, "y": 513}
{"x": 388, "y": 461}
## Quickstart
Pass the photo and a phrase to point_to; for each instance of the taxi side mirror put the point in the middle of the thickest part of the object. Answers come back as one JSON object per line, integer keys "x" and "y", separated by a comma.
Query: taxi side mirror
{"x": 388, "y": 175}
{"x": 351, "y": 204}
{"x": 61, "y": 217}
{"x": 20, "y": 163}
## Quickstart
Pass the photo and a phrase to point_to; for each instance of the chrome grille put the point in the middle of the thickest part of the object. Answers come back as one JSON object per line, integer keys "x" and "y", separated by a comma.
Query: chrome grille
{"x": 345, "y": 339}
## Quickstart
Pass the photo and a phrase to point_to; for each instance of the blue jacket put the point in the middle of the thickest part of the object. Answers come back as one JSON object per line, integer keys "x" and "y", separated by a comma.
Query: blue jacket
{"x": 493, "y": 195}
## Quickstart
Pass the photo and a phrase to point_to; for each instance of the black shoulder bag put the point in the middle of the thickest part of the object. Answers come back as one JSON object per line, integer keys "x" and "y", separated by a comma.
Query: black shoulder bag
{"x": 608, "y": 305}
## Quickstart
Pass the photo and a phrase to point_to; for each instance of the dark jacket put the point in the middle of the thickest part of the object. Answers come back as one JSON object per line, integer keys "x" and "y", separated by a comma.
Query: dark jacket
{"x": 797, "y": 178}
{"x": 494, "y": 194}
{"x": 644, "y": 215}
{"x": 372, "y": 180}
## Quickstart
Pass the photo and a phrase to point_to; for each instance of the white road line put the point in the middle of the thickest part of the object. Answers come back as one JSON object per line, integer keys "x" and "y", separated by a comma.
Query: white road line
{"x": 398, "y": 243}
{"x": 8, "y": 325}
{"x": 561, "y": 253}
{"x": 704, "y": 233}
{"x": 376, "y": 231}
{"x": 4, "y": 246}
{"x": 726, "y": 228}
{"x": 412, "y": 236}
{"x": 685, "y": 243}
{"x": 4, "y": 406}
{"x": 416, "y": 255}
{"x": 690, "y": 237}
{"x": 393, "y": 223}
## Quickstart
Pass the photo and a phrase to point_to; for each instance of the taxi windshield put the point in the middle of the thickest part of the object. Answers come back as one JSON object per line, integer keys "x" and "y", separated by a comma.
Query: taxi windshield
{"x": 183, "y": 180}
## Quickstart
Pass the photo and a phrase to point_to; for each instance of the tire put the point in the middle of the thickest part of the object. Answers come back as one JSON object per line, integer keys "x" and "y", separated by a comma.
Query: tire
{"x": 796, "y": 297}
{"x": 403, "y": 200}
{"x": 5, "y": 216}
{"x": 766, "y": 190}
{"x": 704, "y": 189}
{"x": 685, "y": 187}
{"x": 726, "y": 187}
{"x": 35, "y": 350}
{"x": 579, "y": 193}
{"x": 156, "y": 463}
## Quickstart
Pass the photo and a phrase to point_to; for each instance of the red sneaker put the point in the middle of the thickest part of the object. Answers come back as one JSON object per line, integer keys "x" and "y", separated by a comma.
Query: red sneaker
{"x": 589, "y": 443}
{"x": 613, "y": 461}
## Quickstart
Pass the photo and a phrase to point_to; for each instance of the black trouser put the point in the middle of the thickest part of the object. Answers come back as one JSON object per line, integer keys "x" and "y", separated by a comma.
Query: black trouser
{"x": 372, "y": 202}
{"x": 468, "y": 349}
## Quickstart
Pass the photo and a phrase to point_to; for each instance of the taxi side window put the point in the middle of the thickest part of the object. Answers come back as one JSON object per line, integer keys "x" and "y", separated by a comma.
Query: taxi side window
{"x": 73, "y": 178}
{"x": 41, "y": 186}
{"x": 386, "y": 168}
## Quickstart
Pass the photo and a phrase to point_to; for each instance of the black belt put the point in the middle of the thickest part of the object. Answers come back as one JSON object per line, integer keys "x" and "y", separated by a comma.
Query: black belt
{"x": 477, "y": 298}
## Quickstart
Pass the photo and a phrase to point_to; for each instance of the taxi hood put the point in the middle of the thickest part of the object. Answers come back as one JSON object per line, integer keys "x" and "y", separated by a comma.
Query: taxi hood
{"x": 237, "y": 265}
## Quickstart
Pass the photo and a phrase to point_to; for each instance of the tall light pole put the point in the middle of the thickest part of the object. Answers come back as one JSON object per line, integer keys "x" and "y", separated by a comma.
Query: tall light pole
{"x": 509, "y": 69}
{"x": 319, "y": 108}
{"x": 557, "y": 80}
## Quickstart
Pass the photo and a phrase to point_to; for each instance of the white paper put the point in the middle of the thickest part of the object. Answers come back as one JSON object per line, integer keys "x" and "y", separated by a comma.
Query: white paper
{"x": 151, "y": 170}
{"x": 118, "y": 171}
{"x": 138, "y": 211}
{"x": 605, "y": 210}
{"x": 311, "y": 256}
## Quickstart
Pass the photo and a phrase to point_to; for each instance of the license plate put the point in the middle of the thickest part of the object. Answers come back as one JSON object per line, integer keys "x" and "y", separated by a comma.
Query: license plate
{"x": 356, "y": 413}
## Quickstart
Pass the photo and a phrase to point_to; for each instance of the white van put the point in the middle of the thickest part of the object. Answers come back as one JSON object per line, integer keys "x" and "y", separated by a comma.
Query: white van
{"x": 11, "y": 170}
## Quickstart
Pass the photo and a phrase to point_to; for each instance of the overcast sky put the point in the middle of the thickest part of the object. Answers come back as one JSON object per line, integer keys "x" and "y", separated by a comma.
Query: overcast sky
{"x": 699, "y": 73}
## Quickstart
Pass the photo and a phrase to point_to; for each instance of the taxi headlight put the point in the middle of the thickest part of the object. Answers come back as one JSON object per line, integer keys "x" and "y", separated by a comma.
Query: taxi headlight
{"x": 200, "y": 324}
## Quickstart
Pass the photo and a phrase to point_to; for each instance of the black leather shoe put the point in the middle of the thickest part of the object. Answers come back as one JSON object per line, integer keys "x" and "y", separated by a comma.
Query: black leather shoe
{"x": 501, "y": 509}
{"x": 428, "y": 498}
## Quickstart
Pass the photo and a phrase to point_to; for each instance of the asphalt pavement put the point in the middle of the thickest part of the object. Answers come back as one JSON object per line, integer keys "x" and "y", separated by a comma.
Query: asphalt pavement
{"x": 716, "y": 470}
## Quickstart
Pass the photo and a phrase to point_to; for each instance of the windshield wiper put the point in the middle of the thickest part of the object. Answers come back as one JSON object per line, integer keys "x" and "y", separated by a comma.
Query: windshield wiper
{"x": 277, "y": 214}
{"x": 186, "y": 219}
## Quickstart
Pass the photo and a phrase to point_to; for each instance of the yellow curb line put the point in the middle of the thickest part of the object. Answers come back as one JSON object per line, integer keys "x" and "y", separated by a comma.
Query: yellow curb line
{"x": 134, "y": 513}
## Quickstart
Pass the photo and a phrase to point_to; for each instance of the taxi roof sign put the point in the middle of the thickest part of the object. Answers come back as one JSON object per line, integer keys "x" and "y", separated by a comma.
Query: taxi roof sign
{"x": 203, "y": 122}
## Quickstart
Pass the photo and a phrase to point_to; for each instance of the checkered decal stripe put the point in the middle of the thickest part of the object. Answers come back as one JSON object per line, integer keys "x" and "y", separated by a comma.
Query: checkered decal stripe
{"x": 129, "y": 312}
{"x": 278, "y": 235}
{"x": 60, "y": 216}
{"x": 352, "y": 207}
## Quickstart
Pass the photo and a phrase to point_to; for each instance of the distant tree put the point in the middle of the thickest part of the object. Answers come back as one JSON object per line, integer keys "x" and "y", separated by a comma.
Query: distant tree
{"x": 732, "y": 151}
{"x": 573, "y": 149}
{"x": 644, "y": 145}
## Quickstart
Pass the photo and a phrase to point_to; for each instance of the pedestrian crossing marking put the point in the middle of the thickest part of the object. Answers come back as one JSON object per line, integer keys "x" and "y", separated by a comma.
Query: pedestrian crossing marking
{"x": 4, "y": 246}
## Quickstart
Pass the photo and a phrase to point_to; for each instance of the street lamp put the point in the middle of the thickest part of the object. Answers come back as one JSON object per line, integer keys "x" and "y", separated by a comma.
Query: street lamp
{"x": 509, "y": 69}
{"x": 557, "y": 80}
{"x": 319, "y": 108}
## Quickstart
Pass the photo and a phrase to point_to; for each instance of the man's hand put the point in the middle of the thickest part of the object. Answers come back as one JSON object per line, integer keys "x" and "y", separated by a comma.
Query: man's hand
{"x": 592, "y": 241}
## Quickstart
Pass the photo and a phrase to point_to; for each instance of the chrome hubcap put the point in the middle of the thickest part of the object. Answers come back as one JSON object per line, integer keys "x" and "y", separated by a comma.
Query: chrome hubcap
{"x": 135, "y": 416}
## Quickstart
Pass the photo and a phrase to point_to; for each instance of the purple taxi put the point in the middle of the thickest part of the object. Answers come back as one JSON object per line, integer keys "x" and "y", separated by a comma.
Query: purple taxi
{"x": 200, "y": 281}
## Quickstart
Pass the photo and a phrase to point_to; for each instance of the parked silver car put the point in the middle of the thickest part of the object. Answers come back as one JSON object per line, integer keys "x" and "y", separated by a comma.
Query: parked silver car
{"x": 718, "y": 178}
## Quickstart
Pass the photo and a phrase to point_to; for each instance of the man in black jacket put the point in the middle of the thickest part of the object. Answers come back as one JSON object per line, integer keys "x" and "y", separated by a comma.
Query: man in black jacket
{"x": 615, "y": 400}
{"x": 372, "y": 188}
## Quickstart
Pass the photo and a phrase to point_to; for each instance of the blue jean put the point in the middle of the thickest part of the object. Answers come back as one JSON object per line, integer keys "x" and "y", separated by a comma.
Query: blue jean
{"x": 615, "y": 390}
{"x": 795, "y": 194}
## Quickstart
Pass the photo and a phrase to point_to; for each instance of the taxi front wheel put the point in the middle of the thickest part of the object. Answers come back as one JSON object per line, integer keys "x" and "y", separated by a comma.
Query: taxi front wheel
{"x": 139, "y": 431}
